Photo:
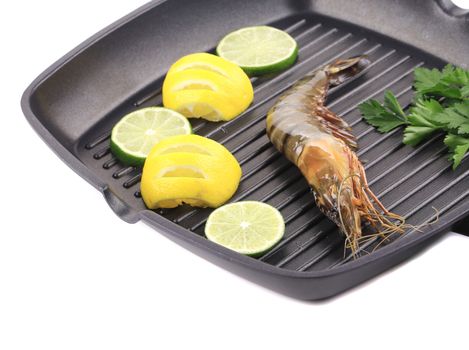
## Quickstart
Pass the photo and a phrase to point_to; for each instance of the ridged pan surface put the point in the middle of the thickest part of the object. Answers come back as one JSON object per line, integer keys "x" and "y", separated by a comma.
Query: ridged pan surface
{"x": 413, "y": 182}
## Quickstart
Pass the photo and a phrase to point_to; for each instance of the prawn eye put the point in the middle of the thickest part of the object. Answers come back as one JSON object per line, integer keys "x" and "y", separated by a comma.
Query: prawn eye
{"x": 342, "y": 70}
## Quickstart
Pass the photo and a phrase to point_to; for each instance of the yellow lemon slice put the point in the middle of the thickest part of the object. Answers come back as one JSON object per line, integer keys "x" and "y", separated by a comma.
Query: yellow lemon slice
{"x": 205, "y": 104}
{"x": 206, "y": 86}
{"x": 198, "y": 79}
{"x": 208, "y": 62}
{"x": 191, "y": 169}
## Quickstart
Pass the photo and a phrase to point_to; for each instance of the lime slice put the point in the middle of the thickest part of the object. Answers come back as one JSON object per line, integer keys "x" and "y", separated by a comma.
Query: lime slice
{"x": 134, "y": 136}
{"x": 259, "y": 50}
{"x": 250, "y": 228}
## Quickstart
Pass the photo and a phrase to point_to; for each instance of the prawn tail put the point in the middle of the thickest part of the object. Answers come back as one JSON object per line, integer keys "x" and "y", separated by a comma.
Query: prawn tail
{"x": 370, "y": 210}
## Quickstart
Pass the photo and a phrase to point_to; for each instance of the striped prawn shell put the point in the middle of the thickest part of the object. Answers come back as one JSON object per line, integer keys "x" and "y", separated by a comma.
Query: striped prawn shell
{"x": 299, "y": 116}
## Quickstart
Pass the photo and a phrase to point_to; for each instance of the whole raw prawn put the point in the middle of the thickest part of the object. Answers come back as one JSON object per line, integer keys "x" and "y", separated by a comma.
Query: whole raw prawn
{"x": 321, "y": 145}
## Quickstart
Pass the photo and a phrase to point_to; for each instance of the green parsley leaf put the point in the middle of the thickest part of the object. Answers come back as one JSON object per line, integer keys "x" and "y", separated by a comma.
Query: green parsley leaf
{"x": 456, "y": 76}
{"x": 458, "y": 147}
{"x": 451, "y": 82}
{"x": 392, "y": 104}
{"x": 426, "y": 78}
{"x": 384, "y": 117}
{"x": 465, "y": 91}
{"x": 456, "y": 118}
{"x": 441, "y": 103}
{"x": 423, "y": 121}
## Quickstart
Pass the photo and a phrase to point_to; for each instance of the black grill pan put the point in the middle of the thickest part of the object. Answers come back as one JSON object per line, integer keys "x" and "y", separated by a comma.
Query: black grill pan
{"x": 74, "y": 104}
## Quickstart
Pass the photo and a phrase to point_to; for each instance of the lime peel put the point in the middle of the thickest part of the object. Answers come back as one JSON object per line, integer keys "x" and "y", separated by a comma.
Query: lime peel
{"x": 251, "y": 228}
{"x": 135, "y": 134}
{"x": 259, "y": 50}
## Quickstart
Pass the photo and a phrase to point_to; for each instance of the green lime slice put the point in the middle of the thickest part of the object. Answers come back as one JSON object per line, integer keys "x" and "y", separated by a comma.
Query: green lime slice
{"x": 134, "y": 136}
{"x": 259, "y": 50}
{"x": 250, "y": 228}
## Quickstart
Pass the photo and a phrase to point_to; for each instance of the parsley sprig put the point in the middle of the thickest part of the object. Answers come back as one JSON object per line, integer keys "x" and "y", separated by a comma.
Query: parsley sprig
{"x": 441, "y": 104}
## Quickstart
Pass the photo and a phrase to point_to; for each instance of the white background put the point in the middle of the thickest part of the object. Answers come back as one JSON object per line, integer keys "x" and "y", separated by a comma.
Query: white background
{"x": 74, "y": 276}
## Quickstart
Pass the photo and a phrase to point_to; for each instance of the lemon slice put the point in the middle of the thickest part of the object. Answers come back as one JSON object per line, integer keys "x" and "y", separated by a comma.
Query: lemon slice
{"x": 198, "y": 79}
{"x": 212, "y": 63}
{"x": 205, "y": 104}
{"x": 206, "y": 86}
{"x": 189, "y": 169}
{"x": 133, "y": 136}
{"x": 250, "y": 228}
{"x": 259, "y": 50}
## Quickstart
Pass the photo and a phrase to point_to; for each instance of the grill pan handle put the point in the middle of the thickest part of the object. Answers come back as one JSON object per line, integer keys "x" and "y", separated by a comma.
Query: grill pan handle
{"x": 462, "y": 227}
{"x": 119, "y": 206}
{"x": 450, "y": 8}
